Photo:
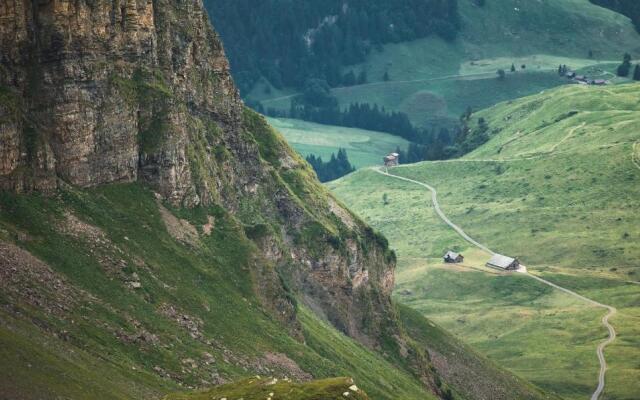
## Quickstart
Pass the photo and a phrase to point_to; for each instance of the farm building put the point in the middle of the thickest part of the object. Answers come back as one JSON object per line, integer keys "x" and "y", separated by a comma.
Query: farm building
{"x": 599, "y": 82}
{"x": 570, "y": 74}
{"x": 453, "y": 257}
{"x": 392, "y": 160}
{"x": 503, "y": 262}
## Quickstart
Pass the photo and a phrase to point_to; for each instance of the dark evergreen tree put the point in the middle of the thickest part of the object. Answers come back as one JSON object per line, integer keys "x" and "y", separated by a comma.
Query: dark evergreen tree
{"x": 337, "y": 166}
{"x": 362, "y": 77}
{"x": 349, "y": 79}
{"x": 636, "y": 73}
{"x": 625, "y": 67}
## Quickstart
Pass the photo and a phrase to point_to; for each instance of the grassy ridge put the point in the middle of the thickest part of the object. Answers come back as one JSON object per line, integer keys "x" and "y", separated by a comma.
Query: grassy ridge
{"x": 556, "y": 186}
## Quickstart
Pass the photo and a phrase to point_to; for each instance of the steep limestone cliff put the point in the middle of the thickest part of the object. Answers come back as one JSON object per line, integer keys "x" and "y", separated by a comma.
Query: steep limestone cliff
{"x": 103, "y": 91}
{"x": 94, "y": 92}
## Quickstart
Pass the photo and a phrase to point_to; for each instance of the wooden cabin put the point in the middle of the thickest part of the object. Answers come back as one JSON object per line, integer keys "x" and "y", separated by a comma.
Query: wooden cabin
{"x": 453, "y": 258}
{"x": 392, "y": 160}
{"x": 503, "y": 262}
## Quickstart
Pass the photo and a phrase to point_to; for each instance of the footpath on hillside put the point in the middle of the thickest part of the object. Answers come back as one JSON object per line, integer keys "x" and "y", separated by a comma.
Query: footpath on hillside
{"x": 611, "y": 311}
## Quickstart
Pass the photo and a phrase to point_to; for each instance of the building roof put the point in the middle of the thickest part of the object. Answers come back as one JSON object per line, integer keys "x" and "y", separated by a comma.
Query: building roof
{"x": 395, "y": 155}
{"x": 452, "y": 255}
{"x": 390, "y": 158}
{"x": 500, "y": 261}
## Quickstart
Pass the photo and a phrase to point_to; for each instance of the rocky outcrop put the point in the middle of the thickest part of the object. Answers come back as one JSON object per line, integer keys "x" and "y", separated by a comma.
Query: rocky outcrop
{"x": 94, "y": 92}
{"x": 103, "y": 91}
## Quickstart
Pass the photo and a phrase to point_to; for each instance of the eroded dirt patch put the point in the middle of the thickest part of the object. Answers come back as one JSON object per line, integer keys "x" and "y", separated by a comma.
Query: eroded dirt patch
{"x": 26, "y": 279}
{"x": 180, "y": 229}
{"x": 282, "y": 363}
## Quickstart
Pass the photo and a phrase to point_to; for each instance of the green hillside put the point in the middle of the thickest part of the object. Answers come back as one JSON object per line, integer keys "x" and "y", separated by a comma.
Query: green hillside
{"x": 365, "y": 148}
{"x": 132, "y": 301}
{"x": 261, "y": 388}
{"x": 432, "y": 78}
{"x": 146, "y": 302}
{"x": 557, "y": 186}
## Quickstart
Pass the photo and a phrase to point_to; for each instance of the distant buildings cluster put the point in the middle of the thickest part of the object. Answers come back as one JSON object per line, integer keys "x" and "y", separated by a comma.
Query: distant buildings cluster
{"x": 584, "y": 80}
{"x": 497, "y": 261}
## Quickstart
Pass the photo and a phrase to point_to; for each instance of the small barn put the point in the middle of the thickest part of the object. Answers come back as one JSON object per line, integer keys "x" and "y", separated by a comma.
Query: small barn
{"x": 599, "y": 82}
{"x": 503, "y": 262}
{"x": 453, "y": 258}
{"x": 392, "y": 160}
{"x": 581, "y": 78}
{"x": 570, "y": 74}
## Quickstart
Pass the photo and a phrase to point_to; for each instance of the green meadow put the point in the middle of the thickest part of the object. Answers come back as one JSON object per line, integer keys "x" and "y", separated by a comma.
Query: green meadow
{"x": 365, "y": 148}
{"x": 556, "y": 186}
{"x": 431, "y": 79}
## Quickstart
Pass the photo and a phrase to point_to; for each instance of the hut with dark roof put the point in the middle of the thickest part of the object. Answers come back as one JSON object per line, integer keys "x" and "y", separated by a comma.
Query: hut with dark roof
{"x": 503, "y": 262}
{"x": 453, "y": 258}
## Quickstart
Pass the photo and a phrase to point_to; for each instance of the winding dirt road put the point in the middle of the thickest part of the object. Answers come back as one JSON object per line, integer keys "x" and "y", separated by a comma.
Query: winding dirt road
{"x": 611, "y": 311}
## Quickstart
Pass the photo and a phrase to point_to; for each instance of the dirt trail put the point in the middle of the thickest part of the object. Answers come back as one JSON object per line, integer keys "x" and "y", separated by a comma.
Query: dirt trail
{"x": 611, "y": 311}
{"x": 635, "y": 154}
{"x": 441, "y": 214}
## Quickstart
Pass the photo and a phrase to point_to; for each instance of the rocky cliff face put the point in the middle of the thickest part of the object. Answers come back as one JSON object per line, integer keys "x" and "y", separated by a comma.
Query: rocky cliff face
{"x": 95, "y": 92}
{"x": 102, "y": 91}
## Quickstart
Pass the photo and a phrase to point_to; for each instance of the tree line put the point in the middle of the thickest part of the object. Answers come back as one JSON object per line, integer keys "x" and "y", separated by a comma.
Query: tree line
{"x": 288, "y": 42}
{"x": 337, "y": 166}
{"x": 624, "y": 69}
{"x": 317, "y": 104}
{"x": 470, "y": 134}
{"x": 433, "y": 142}
{"x": 473, "y": 133}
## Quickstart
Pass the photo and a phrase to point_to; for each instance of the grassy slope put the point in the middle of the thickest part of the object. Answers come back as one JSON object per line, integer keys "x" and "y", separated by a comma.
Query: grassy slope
{"x": 365, "y": 148}
{"x": 82, "y": 353}
{"x": 540, "y": 34}
{"x": 260, "y": 389}
{"x": 564, "y": 198}
{"x": 207, "y": 283}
